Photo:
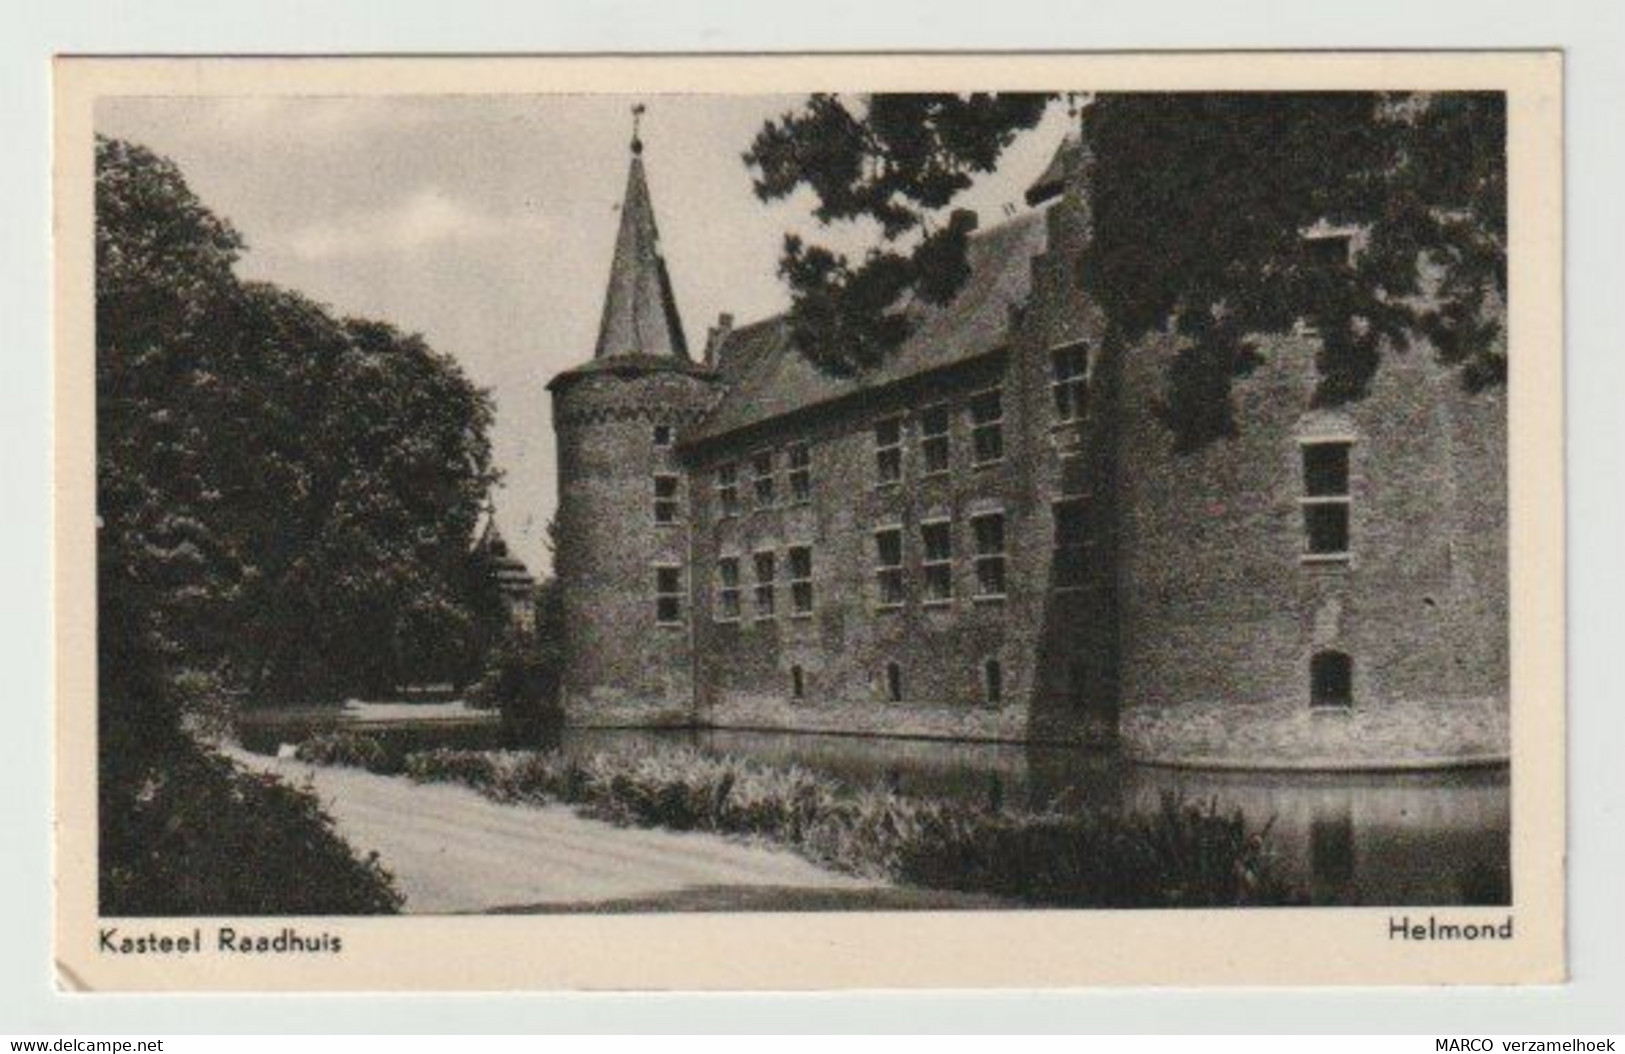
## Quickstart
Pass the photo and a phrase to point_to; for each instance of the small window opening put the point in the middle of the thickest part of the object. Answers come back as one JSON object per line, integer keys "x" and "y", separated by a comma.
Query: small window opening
{"x": 888, "y": 450}
{"x": 935, "y": 439}
{"x": 993, "y": 682}
{"x": 988, "y": 532}
{"x": 798, "y": 683}
{"x": 936, "y": 561}
{"x": 667, "y": 507}
{"x": 894, "y": 682}
{"x": 728, "y": 589}
{"x": 801, "y": 585}
{"x": 1326, "y": 500}
{"x": 728, "y": 489}
{"x": 668, "y": 595}
{"x": 766, "y": 578}
{"x": 987, "y": 427}
{"x": 663, "y": 436}
{"x": 800, "y": 473}
{"x": 1330, "y": 252}
{"x": 764, "y": 483}
{"x": 889, "y": 567}
{"x": 1069, "y": 381}
{"x": 1331, "y": 680}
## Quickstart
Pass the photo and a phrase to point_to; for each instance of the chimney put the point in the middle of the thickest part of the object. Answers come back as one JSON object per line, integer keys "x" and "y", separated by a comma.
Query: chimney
{"x": 715, "y": 336}
{"x": 965, "y": 219}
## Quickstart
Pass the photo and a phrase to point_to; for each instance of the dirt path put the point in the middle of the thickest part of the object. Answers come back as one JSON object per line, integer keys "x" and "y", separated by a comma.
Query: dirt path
{"x": 452, "y": 850}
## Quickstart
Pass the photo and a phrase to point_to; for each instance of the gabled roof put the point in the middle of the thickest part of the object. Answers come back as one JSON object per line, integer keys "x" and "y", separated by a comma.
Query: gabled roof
{"x": 769, "y": 377}
{"x": 640, "y": 314}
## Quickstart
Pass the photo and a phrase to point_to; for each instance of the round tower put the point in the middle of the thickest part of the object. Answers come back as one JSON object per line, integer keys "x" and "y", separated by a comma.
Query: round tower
{"x": 622, "y": 554}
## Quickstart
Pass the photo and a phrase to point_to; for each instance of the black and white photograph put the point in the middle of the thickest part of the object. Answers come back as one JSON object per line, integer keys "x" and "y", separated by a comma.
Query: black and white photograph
{"x": 937, "y": 504}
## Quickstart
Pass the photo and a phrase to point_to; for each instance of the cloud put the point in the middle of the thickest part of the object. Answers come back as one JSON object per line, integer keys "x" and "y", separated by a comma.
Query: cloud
{"x": 296, "y": 118}
{"x": 422, "y": 220}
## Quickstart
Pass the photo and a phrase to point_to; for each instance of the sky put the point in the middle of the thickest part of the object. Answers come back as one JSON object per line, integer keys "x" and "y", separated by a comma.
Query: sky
{"x": 486, "y": 223}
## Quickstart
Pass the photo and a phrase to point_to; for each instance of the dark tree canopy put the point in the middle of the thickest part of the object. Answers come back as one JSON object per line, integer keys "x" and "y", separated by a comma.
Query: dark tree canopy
{"x": 903, "y": 158}
{"x": 287, "y": 500}
{"x": 1200, "y": 205}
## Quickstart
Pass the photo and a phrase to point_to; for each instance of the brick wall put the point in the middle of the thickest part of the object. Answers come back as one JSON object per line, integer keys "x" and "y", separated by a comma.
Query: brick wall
{"x": 844, "y": 646}
{"x": 1049, "y": 643}
{"x": 1220, "y": 613}
{"x": 621, "y": 666}
{"x": 1197, "y": 614}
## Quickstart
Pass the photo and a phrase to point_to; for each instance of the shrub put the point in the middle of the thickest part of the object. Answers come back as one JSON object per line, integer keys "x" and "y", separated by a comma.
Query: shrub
{"x": 207, "y": 707}
{"x": 523, "y": 683}
{"x": 1184, "y": 854}
{"x": 195, "y": 836}
{"x": 469, "y": 767}
{"x": 1483, "y": 883}
{"x": 353, "y": 749}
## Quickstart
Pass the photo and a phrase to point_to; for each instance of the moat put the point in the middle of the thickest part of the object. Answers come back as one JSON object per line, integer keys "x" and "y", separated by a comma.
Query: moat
{"x": 1379, "y": 839}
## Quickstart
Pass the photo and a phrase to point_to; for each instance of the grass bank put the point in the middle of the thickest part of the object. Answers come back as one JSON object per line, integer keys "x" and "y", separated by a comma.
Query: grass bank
{"x": 1185, "y": 854}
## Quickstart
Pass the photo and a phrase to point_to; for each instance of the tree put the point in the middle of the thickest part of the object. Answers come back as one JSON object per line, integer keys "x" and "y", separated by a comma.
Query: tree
{"x": 1200, "y": 202}
{"x": 166, "y": 576}
{"x": 287, "y": 499}
{"x": 242, "y": 433}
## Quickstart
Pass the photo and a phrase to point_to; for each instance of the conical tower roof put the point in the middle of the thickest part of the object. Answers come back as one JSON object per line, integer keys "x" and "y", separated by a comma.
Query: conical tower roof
{"x": 640, "y": 313}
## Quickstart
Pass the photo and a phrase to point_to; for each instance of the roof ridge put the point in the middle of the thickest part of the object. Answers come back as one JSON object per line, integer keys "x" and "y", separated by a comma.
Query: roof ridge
{"x": 980, "y": 234}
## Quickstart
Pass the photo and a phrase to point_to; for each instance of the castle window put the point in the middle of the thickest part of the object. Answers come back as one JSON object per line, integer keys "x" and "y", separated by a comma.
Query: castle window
{"x": 766, "y": 572}
{"x": 1071, "y": 544}
{"x": 993, "y": 682}
{"x": 798, "y": 683}
{"x": 1069, "y": 381}
{"x": 988, "y": 529}
{"x": 888, "y": 450}
{"x": 663, "y": 436}
{"x": 666, "y": 506}
{"x": 894, "y": 682}
{"x": 728, "y": 589}
{"x": 987, "y": 426}
{"x": 1327, "y": 500}
{"x": 801, "y": 586}
{"x": 800, "y": 473}
{"x": 762, "y": 468}
{"x": 935, "y": 449}
{"x": 1331, "y": 680}
{"x": 889, "y": 567}
{"x": 1333, "y": 251}
{"x": 668, "y": 595}
{"x": 728, "y": 489}
{"x": 936, "y": 541}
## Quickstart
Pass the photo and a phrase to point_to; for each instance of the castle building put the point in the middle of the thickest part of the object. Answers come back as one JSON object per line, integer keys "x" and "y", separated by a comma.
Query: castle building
{"x": 990, "y": 536}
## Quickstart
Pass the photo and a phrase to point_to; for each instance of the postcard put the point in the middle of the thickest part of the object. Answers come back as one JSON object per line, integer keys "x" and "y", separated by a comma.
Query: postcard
{"x": 809, "y": 521}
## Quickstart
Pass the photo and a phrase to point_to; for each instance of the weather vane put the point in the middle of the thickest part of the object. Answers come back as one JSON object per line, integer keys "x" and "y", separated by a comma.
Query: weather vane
{"x": 637, "y": 120}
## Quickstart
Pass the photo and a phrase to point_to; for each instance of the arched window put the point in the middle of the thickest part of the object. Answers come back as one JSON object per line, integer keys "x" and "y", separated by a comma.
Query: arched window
{"x": 1331, "y": 679}
{"x": 798, "y": 683}
{"x": 894, "y": 682}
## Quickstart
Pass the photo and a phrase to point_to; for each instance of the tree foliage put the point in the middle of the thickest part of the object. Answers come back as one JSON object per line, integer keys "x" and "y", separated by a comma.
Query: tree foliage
{"x": 1200, "y": 206}
{"x": 285, "y": 498}
{"x": 897, "y": 161}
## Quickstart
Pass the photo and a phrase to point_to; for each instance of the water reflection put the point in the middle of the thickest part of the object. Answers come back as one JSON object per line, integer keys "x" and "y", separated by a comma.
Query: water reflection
{"x": 1349, "y": 838}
